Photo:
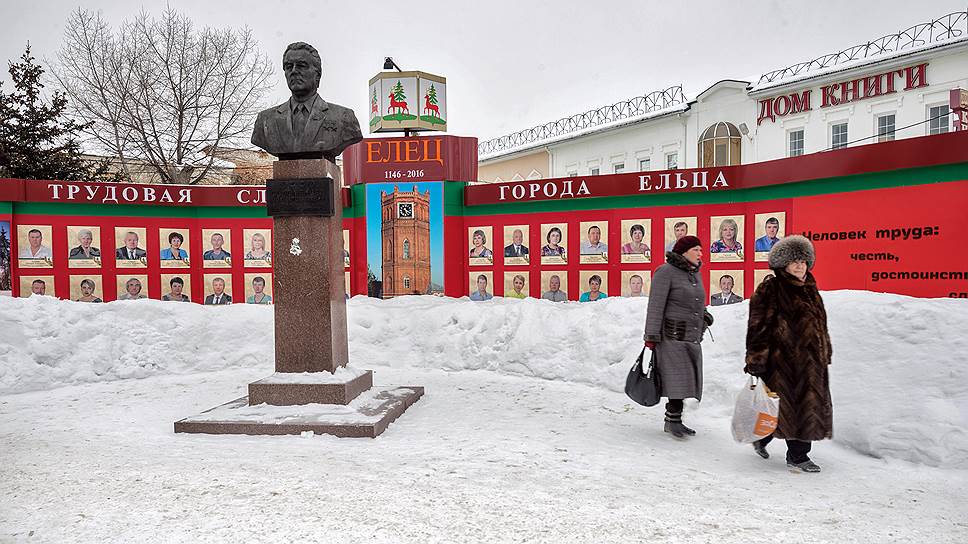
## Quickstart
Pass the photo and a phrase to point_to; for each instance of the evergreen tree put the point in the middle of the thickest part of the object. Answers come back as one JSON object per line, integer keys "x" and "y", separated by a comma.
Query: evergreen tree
{"x": 5, "y": 260}
{"x": 36, "y": 140}
{"x": 432, "y": 94}
{"x": 398, "y": 93}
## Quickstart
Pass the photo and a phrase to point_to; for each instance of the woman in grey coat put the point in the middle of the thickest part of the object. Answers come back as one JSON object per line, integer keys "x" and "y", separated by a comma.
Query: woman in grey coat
{"x": 674, "y": 325}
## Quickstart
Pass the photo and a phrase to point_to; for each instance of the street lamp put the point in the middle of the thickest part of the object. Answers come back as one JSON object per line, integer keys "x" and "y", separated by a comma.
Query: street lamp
{"x": 388, "y": 64}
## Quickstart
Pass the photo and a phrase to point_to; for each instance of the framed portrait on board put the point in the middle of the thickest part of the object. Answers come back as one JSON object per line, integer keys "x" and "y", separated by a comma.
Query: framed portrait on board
{"x": 84, "y": 247}
{"x": 218, "y": 289}
{"x": 217, "y": 251}
{"x": 636, "y": 236}
{"x": 34, "y": 246}
{"x": 770, "y": 227}
{"x": 346, "y": 250}
{"x": 555, "y": 239}
{"x": 36, "y": 285}
{"x": 174, "y": 252}
{"x": 593, "y": 285}
{"x": 346, "y": 285}
{"x": 86, "y": 288}
{"x": 516, "y": 284}
{"x": 480, "y": 284}
{"x": 760, "y": 275}
{"x": 554, "y": 285}
{"x": 675, "y": 228}
{"x": 131, "y": 287}
{"x": 258, "y": 288}
{"x": 636, "y": 283}
{"x": 258, "y": 248}
{"x": 726, "y": 232}
{"x": 479, "y": 241}
{"x": 130, "y": 251}
{"x": 726, "y": 287}
{"x": 176, "y": 287}
{"x": 593, "y": 249}
{"x": 516, "y": 252}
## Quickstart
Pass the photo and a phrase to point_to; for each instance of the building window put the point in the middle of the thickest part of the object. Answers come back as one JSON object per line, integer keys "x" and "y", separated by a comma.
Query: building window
{"x": 796, "y": 143}
{"x": 720, "y": 145}
{"x": 672, "y": 160}
{"x": 594, "y": 171}
{"x": 618, "y": 168}
{"x": 938, "y": 119}
{"x": 572, "y": 173}
{"x": 645, "y": 165}
{"x": 406, "y": 282}
{"x": 885, "y": 127}
{"x": 838, "y": 136}
{"x": 406, "y": 249}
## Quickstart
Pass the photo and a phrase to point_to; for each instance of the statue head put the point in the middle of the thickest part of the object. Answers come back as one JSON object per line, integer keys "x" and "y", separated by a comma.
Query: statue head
{"x": 303, "y": 69}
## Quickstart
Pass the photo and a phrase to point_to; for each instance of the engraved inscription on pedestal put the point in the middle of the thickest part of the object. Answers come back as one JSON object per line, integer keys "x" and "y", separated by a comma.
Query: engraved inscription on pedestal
{"x": 306, "y": 197}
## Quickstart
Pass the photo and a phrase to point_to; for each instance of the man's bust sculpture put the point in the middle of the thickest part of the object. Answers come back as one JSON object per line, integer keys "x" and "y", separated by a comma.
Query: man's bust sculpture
{"x": 306, "y": 126}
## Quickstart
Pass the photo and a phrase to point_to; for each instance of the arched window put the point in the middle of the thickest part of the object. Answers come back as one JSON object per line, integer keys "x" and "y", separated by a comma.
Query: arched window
{"x": 406, "y": 249}
{"x": 406, "y": 282}
{"x": 720, "y": 145}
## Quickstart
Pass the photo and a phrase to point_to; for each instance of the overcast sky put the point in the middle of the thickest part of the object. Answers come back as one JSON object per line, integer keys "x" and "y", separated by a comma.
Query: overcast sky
{"x": 513, "y": 64}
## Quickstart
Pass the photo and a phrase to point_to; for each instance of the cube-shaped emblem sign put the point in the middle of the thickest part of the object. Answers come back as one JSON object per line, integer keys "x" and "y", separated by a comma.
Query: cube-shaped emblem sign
{"x": 415, "y": 101}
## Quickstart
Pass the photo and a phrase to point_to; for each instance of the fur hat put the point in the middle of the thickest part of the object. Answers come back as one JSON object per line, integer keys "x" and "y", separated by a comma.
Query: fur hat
{"x": 685, "y": 243}
{"x": 792, "y": 248}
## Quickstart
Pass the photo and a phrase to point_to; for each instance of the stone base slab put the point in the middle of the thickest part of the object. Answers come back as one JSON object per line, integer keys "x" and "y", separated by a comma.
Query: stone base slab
{"x": 293, "y": 392}
{"x": 366, "y": 416}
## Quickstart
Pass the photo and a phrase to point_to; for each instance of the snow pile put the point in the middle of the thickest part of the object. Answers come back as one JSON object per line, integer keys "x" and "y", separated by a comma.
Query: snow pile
{"x": 899, "y": 377}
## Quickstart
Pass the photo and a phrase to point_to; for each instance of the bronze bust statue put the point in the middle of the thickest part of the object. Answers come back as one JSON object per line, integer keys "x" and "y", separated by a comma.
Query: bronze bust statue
{"x": 305, "y": 126}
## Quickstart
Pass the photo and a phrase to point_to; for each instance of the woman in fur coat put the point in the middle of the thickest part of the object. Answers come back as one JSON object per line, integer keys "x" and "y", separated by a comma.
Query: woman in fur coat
{"x": 788, "y": 347}
{"x": 674, "y": 326}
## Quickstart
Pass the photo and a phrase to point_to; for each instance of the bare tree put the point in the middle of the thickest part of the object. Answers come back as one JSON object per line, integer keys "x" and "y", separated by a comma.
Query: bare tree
{"x": 159, "y": 90}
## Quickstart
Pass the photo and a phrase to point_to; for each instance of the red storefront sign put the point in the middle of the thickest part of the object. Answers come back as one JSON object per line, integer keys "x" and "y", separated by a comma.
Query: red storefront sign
{"x": 418, "y": 158}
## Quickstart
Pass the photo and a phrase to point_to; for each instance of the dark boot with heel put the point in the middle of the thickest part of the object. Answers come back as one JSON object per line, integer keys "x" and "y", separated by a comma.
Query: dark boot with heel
{"x": 674, "y": 426}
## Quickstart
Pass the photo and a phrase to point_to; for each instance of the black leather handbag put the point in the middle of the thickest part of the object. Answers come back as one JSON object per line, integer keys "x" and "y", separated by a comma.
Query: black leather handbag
{"x": 642, "y": 385}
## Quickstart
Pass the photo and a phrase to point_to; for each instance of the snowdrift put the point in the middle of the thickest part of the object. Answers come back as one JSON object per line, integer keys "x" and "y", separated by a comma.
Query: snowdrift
{"x": 899, "y": 376}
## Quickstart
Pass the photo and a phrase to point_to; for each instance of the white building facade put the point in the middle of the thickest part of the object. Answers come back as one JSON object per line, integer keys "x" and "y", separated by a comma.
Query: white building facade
{"x": 807, "y": 108}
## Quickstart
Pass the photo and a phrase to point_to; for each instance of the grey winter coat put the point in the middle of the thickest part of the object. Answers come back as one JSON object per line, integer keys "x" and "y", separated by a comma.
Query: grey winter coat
{"x": 675, "y": 321}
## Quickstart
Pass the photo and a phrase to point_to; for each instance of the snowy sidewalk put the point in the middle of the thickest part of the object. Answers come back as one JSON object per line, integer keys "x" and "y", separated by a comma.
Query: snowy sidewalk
{"x": 481, "y": 458}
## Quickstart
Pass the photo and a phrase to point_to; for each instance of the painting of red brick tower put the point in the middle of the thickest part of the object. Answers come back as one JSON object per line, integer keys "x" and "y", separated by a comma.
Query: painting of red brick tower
{"x": 406, "y": 242}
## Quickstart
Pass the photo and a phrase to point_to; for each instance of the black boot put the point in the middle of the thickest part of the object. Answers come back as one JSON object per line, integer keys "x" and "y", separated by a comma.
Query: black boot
{"x": 673, "y": 424}
{"x": 687, "y": 430}
{"x": 760, "y": 448}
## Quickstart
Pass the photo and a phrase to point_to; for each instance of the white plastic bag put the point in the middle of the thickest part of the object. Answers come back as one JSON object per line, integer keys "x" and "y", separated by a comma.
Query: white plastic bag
{"x": 755, "y": 414}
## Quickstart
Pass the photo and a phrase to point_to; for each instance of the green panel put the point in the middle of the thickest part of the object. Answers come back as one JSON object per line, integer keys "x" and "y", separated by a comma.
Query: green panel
{"x": 859, "y": 182}
{"x": 6, "y": 208}
{"x": 454, "y": 197}
{"x": 358, "y": 199}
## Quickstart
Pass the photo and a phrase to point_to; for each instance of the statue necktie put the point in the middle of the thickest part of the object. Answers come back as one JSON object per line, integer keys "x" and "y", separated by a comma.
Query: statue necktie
{"x": 299, "y": 121}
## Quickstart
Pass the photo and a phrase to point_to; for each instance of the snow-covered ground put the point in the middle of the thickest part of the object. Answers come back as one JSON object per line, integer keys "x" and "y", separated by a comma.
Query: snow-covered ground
{"x": 524, "y": 434}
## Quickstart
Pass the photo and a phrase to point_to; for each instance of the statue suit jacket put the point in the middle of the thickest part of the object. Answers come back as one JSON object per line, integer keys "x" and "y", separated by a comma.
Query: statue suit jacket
{"x": 330, "y": 129}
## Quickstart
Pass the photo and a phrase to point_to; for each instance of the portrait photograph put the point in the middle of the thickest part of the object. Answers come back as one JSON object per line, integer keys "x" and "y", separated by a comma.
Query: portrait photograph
{"x": 174, "y": 244}
{"x": 554, "y": 243}
{"x": 258, "y": 248}
{"x": 675, "y": 228}
{"x": 725, "y": 287}
{"x": 725, "y": 234}
{"x": 346, "y": 248}
{"x": 554, "y": 285}
{"x": 218, "y": 289}
{"x": 594, "y": 242}
{"x": 481, "y": 246}
{"x": 176, "y": 287}
{"x": 84, "y": 247}
{"x": 130, "y": 248}
{"x": 759, "y": 276}
{"x": 636, "y": 240}
{"x": 480, "y": 286}
{"x": 34, "y": 246}
{"x": 636, "y": 283}
{"x": 346, "y": 285}
{"x": 516, "y": 250}
{"x": 36, "y": 285}
{"x": 86, "y": 288}
{"x": 516, "y": 284}
{"x": 593, "y": 285}
{"x": 216, "y": 248}
{"x": 769, "y": 228}
{"x": 258, "y": 288}
{"x": 132, "y": 287}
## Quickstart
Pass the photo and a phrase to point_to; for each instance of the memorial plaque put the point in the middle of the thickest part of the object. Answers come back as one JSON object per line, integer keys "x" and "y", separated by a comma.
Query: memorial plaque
{"x": 306, "y": 197}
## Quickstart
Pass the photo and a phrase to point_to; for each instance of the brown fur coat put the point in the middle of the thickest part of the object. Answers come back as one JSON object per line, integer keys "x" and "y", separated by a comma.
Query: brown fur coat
{"x": 788, "y": 346}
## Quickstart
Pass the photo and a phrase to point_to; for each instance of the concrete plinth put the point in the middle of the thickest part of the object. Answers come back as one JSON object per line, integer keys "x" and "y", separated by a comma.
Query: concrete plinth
{"x": 367, "y": 416}
{"x": 282, "y": 389}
